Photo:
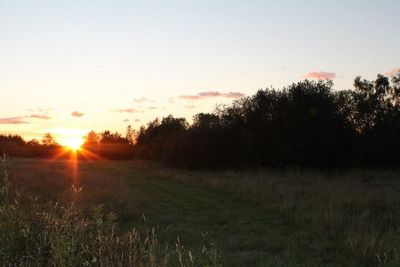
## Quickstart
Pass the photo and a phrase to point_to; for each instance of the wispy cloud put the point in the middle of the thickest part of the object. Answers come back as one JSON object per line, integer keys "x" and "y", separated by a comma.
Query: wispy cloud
{"x": 13, "y": 120}
{"x": 45, "y": 110}
{"x": 190, "y": 97}
{"x": 21, "y": 119}
{"x": 126, "y": 110}
{"x": 126, "y": 120}
{"x": 41, "y": 110}
{"x": 142, "y": 100}
{"x": 39, "y": 116}
{"x": 393, "y": 72}
{"x": 152, "y": 108}
{"x": 210, "y": 94}
{"x": 77, "y": 114}
{"x": 321, "y": 75}
{"x": 233, "y": 95}
{"x": 190, "y": 106}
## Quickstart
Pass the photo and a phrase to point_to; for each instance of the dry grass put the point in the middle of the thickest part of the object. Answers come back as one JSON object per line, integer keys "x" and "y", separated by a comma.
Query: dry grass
{"x": 355, "y": 214}
{"x": 40, "y": 233}
{"x": 358, "y": 209}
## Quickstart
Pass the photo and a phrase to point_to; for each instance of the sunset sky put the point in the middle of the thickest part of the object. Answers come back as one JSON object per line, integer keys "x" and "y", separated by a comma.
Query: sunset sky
{"x": 67, "y": 67}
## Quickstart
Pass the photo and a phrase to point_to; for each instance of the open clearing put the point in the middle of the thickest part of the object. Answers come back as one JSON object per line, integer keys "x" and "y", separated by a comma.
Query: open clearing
{"x": 247, "y": 222}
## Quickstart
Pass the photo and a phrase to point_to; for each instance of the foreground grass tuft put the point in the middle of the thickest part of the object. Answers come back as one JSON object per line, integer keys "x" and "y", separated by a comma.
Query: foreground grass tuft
{"x": 34, "y": 233}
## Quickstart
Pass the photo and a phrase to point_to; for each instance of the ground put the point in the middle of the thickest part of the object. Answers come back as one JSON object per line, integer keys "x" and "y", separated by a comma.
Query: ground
{"x": 245, "y": 230}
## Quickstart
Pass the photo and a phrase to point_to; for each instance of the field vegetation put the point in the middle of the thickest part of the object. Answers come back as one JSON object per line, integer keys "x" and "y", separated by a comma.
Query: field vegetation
{"x": 37, "y": 232}
{"x": 233, "y": 218}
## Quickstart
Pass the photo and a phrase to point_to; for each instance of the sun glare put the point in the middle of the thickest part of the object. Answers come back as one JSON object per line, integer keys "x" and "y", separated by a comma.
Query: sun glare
{"x": 70, "y": 139}
{"x": 73, "y": 143}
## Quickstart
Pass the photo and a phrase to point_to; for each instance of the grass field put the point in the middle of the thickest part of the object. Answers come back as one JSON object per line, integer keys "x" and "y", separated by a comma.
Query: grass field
{"x": 260, "y": 218}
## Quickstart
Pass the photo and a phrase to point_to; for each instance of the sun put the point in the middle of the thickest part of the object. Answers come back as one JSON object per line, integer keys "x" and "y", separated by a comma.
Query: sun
{"x": 70, "y": 139}
{"x": 73, "y": 143}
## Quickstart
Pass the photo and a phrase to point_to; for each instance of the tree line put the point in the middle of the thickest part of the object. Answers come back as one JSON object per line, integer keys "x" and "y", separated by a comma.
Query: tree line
{"x": 305, "y": 124}
{"x": 105, "y": 144}
{"x": 15, "y": 145}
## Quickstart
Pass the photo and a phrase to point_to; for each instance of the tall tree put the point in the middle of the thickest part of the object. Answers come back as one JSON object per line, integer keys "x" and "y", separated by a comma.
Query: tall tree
{"x": 48, "y": 140}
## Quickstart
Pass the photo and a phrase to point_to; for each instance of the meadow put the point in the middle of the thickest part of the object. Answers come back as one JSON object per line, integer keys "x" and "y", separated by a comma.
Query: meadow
{"x": 293, "y": 217}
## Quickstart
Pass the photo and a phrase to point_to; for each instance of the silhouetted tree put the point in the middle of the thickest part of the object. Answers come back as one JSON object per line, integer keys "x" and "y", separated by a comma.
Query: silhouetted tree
{"x": 48, "y": 140}
{"x": 305, "y": 124}
{"x": 131, "y": 135}
{"x": 92, "y": 138}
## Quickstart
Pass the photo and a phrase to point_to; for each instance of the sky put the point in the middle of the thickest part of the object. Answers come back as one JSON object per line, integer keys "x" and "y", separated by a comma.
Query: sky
{"x": 67, "y": 67}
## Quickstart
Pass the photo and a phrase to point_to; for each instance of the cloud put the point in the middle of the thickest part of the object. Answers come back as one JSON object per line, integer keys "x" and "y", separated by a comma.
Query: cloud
{"x": 20, "y": 119}
{"x": 77, "y": 114}
{"x": 126, "y": 110}
{"x": 141, "y": 100}
{"x": 151, "y": 108}
{"x": 393, "y": 72}
{"x": 189, "y": 97}
{"x": 190, "y": 106}
{"x": 45, "y": 110}
{"x": 137, "y": 120}
{"x": 13, "y": 120}
{"x": 210, "y": 94}
{"x": 321, "y": 75}
{"x": 39, "y": 116}
{"x": 126, "y": 120}
{"x": 234, "y": 95}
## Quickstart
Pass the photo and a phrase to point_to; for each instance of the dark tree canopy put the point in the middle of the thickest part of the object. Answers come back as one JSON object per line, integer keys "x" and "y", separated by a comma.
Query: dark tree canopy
{"x": 305, "y": 124}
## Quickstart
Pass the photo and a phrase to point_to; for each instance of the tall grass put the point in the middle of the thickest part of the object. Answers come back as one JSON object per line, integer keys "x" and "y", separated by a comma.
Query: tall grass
{"x": 36, "y": 233}
{"x": 358, "y": 210}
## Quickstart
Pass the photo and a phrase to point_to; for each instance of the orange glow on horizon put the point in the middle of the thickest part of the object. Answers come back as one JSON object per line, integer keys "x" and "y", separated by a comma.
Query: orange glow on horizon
{"x": 72, "y": 143}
